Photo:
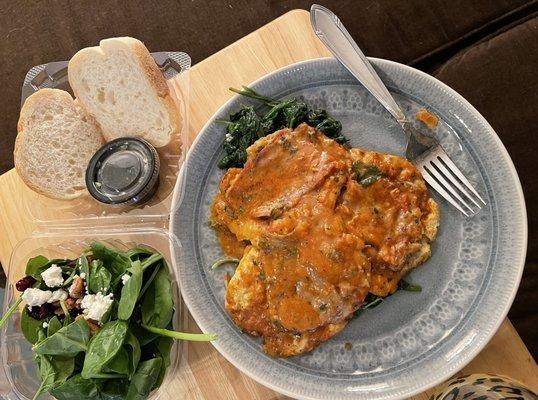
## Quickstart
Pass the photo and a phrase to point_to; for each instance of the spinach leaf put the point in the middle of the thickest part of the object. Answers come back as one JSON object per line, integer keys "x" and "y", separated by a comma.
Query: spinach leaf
{"x": 148, "y": 281}
{"x": 30, "y": 327}
{"x": 47, "y": 374}
{"x": 54, "y": 326}
{"x": 114, "y": 389}
{"x": 404, "y": 285}
{"x": 143, "y": 336}
{"x": 115, "y": 261}
{"x": 138, "y": 253}
{"x": 83, "y": 266}
{"x": 100, "y": 277}
{"x": 119, "y": 364}
{"x": 161, "y": 347}
{"x": 246, "y": 126}
{"x": 130, "y": 291}
{"x": 10, "y": 311}
{"x": 69, "y": 340}
{"x": 155, "y": 257}
{"x": 70, "y": 278}
{"x": 194, "y": 337}
{"x": 35, "y": 266}
{"x": 103, "y": 347}
{"x": 157, "y": 304}
{"x": 67, "y": 315}
{"x": 366, "y": 174}
{"x": 243, "y": 129}
{"x": 64, "y": 367}
{"x": 144, "y": 379}
{"x": 135, "y": 353}
{"x": 77, "y": 388}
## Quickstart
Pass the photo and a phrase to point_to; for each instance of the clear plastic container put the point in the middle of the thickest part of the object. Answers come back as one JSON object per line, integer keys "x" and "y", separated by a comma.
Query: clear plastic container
{"x": 76, "y": 223}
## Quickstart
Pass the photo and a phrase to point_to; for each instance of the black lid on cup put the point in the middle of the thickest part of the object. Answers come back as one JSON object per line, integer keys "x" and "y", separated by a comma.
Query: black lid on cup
{"x": 123, "y": 171}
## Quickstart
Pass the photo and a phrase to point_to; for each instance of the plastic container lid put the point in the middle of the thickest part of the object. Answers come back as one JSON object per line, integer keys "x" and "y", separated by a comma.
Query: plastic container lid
{"x": 123, "y": 171}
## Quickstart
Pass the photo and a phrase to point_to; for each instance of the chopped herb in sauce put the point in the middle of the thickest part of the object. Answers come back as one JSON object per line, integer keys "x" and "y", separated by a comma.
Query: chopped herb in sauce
{"x": 366, "y": 174}
{"x": 409, "y": 287}
{"x": 224, "y": 261}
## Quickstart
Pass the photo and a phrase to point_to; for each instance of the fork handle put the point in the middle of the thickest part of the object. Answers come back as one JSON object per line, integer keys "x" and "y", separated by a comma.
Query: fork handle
{"x": 337, "y": 39}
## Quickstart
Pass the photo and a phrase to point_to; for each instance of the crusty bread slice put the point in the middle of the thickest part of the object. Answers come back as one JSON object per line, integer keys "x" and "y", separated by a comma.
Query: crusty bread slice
{"x": 119, "y": 84}
{"x": 54, "y": 144}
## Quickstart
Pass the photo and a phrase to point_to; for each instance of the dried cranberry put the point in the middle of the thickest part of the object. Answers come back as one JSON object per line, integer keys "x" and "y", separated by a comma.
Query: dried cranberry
{"x": 24, "y": 283}
{"x": 74, "y": 312}
{"x": 71, "y": 263}
{"x": 40, "y": 312}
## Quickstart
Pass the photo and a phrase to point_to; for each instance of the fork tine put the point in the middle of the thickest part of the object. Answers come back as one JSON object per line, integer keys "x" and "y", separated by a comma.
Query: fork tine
{"x": 448, "y": 175}
{"x": 433, "y": 183}
{"x": 447, "y": 185}
{"x": 455, "y": 170}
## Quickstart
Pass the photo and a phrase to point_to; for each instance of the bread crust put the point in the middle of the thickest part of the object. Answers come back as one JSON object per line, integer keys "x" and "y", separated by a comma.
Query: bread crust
{"x": 20, "y": 165}
{"x": 150, "y": 70}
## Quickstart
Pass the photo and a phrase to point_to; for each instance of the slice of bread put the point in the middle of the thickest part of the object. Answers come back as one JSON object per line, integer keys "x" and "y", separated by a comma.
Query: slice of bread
{"x": 119, "y": 84}
{"x": 54, "y": 144}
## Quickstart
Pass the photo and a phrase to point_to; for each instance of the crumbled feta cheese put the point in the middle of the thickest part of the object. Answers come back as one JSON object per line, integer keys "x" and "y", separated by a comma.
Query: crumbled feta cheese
{"x": 83, "y": 275}
{"x": 36, "y": 297}
{"x": 53, "y": 276}
{"x": 45, "y": 325}
{"x": 125, "y": 278}
{"x": 58, "y": 295}
{"x": 94, "y": 306}
{"x": 229, "y": 137}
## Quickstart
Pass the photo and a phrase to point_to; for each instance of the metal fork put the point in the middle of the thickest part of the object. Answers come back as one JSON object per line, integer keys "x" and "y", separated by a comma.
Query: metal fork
{"x": 424, "y": 151}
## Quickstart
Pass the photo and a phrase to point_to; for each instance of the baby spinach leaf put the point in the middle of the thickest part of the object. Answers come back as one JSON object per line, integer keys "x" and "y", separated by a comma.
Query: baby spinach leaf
{"x": 67, "y": 315}
{"x": 64, "y": 367}
{"x": 194, "y": 337}
{"x": 35, "y": 266}
{"x": 157, "y": 304}
{"x": 119, "y": 364}
{"x": 83, "y": 266}
{"x": 111, "y": 313}
{"x": 143, "y": 336}
{"x": 138, "y": 253}
{"x": 149, "y": 279}
{"x": 100, "y": 277}
{"x": 54, "y": 326}
{"x": 47, "y": 374}
{"x": 10, "y": 311}
{"x": 161, "y": 347}
{"x": 135, "y": 352}
{"x": 103, "y": 347}
{"x": 69, "y": 340}
{"x": 30, "y": 327}
{"x": 155, "y": 257}
{"x": 114, "y": 389}
{"x": 115, "y": 261}
{"x": 130, "y": 291}
{"x": 77, "y": 388}
{"x": 144, "y": 379}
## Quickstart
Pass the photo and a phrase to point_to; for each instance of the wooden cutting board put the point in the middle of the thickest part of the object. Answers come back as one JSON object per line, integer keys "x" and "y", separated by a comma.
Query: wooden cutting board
{"x": 204, "y": 373}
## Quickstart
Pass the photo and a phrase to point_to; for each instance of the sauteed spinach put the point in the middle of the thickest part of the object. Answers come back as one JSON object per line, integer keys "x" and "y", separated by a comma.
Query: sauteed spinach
{"x": 246, "y": 125}
{"x": 124, "y": 354}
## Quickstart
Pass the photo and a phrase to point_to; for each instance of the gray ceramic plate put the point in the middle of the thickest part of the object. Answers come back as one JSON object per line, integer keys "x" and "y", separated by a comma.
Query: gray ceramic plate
{"x": 412, "y": 340}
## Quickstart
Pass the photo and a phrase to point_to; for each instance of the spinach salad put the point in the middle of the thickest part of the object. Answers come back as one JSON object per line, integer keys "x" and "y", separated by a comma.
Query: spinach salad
{"x": 101, "y": 325}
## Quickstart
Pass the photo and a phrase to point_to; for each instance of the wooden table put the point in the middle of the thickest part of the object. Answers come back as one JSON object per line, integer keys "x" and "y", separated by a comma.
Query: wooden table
{"x": 206, "y": 374}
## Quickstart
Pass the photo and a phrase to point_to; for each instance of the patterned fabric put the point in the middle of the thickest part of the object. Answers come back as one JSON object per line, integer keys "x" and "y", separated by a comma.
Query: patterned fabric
{"x": 483, "y": 387}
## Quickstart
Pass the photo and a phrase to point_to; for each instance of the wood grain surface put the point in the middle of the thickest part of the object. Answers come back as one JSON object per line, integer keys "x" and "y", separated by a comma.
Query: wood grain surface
{"x": 204, "y": 373}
